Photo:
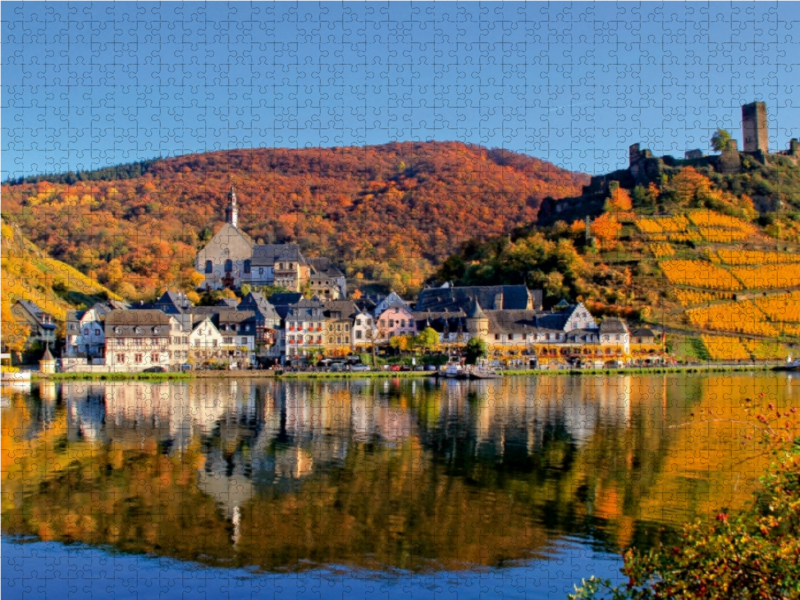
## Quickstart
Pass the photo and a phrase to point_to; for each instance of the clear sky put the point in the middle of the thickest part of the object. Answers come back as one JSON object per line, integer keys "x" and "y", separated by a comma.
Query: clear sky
{"x": 87, "y": 85}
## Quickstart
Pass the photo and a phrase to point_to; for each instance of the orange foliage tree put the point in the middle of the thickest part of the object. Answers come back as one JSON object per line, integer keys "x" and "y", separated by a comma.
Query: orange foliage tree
{"x": 606, "y": 228}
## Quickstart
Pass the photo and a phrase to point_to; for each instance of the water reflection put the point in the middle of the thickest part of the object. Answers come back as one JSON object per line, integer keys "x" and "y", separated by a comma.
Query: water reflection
{"x": 404, "y": 474}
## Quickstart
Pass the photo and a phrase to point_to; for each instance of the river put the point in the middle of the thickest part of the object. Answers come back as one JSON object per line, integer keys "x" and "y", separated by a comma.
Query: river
{"x": 403, "y": 488}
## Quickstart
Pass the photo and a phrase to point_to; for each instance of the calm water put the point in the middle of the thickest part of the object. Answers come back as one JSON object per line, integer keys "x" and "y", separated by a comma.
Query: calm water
{"x": 361, "y": 488}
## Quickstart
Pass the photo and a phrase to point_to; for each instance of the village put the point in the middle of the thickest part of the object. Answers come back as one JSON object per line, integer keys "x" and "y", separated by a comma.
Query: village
{"x": 314, "y": 323}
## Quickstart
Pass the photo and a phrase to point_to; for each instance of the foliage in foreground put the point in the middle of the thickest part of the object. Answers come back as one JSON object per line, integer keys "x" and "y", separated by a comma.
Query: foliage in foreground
{"x": 755, "y": 554}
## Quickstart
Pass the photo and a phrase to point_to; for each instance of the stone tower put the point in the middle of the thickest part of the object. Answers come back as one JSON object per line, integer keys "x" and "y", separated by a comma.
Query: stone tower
{"x": 754, "y": 127}
{"x": 477, "y": 321}
{"x": 232, "y": 211}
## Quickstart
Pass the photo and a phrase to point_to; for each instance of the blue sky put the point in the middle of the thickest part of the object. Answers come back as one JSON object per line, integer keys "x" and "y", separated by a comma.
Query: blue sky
{"x": 88, "y": 85}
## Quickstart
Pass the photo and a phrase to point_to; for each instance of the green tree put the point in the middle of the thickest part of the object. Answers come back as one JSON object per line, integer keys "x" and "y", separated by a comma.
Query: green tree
{"x": 428, "y": 339}
{"x": 720, "y": 139}
{"x": 476, "y": 349}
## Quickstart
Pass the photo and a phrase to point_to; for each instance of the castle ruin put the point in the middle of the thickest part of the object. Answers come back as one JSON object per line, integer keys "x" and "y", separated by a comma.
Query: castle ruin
{"x": 754, "y": 127}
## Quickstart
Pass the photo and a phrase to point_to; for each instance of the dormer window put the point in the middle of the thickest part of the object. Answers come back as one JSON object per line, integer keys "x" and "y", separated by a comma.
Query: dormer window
{"x": 138, "y": 330}
{"x": 155, "y": 330}
{"x": 117, "y": 330}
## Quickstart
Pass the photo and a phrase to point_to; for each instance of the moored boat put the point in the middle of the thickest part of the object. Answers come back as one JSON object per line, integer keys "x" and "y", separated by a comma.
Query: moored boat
{"x": 484, "y": 374}
{"x": 454, "y": 371}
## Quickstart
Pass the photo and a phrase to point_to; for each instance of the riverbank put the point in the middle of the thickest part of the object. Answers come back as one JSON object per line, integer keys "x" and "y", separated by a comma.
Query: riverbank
{"x": 261, "y": 374}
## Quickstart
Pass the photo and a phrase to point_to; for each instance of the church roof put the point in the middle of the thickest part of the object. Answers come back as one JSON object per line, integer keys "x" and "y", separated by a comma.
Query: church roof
{"x": 265, "y": 255}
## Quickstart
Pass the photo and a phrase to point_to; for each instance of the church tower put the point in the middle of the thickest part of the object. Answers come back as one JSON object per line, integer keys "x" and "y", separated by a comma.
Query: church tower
{"x": 232, "y": 211}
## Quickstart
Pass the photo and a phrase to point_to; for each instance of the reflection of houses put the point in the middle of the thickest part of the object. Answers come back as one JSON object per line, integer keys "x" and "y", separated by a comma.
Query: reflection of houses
{"x": 86, "y": 410}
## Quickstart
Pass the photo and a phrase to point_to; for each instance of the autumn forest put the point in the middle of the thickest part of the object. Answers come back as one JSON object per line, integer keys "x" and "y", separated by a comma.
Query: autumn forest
{"x": 390, "y": 214}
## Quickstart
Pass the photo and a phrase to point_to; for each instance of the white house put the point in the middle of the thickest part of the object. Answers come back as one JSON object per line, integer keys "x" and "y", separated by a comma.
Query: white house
{"x": 138, "y": 339}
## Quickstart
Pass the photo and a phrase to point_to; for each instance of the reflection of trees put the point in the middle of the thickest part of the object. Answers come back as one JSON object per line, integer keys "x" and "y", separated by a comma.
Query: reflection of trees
{"x": 403, "y": 473}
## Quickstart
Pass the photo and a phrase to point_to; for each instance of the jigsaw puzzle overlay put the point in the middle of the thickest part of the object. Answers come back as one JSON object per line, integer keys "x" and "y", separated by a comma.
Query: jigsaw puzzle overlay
{"x": 400, "y": 300}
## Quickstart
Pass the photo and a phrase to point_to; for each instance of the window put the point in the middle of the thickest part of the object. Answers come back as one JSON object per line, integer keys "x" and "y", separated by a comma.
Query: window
{"x": 497, "y": 336}
{"x": 85, "y": 331}
{"x": 244, "y": 341}
{"x": 358, "y": 334}
{"x": 228, "y": 265}
{"x": 154, "y": 357}
{"x": 391, "y": 322}
{"x": 617, "y": 337}
{"x": 347, "y": 328}
{"x": 137, "y": 359}
{"x": 120, "y": 358}
{"x": 358, "y": 321}
{"x": 209, "y": 267}
{"x": 228, "y": 340}
{"x": 260, "y": 271}
{"x": 247, "y": 265}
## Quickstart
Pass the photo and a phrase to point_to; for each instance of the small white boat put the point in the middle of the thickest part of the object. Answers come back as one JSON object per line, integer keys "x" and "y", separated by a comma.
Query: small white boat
{"x": 453, "y": 371}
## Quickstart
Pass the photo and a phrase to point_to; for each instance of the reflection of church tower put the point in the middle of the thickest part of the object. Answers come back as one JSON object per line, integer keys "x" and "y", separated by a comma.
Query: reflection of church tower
{"x": 232, "y": 211}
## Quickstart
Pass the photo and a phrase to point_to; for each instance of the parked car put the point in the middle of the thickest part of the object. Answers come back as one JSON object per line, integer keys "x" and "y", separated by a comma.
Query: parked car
{"x": 155, "y": 370}
{"x": 430, "y": 367}
{"x": 186, "y": 367}
{"x": 395, "y": 368}
{"x": 405, "y": 368}
{"x": 360, "y": 368}
{"x": 419, "y": 368}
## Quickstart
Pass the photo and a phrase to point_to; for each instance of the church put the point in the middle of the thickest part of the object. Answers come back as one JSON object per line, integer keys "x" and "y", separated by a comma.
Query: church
{"x": 232, "y": 259}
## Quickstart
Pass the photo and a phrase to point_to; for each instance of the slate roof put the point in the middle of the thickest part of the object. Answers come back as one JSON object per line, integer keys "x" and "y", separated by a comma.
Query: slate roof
{"x": 613, "y": 325}
{"x": 38, "y": 314}
{"x": 285, "y": 298}
{"x": 172, "y": 302}
{"x": 489, "y": 296}
{"x": 266, "y": 255}
{"x": 127, "y": 321}
{"x": 475, "y": 311}
{"x": 441, "y": 321}
{"x": 256, "y": 302}
{"x": 323, "y": 267}
{"x": 643, "y": 332}
{"x": 347, "y": 308}
{"x": 229, "y": 302}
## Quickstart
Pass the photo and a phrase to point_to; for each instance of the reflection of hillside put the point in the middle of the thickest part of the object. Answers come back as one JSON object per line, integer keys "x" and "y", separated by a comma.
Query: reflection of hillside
{"x": 404, "y": 473}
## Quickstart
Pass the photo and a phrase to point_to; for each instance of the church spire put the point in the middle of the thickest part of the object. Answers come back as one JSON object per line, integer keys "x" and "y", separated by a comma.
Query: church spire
{"x": 232, "y": 211}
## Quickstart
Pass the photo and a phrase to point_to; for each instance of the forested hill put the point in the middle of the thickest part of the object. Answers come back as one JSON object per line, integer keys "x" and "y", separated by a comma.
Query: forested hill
{"x": 686, "y": 248}
{"x": 391, "y": 213}
{"x": 29, "y": 274}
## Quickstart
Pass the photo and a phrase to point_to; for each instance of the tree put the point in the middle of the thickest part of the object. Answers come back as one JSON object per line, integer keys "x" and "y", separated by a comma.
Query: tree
{"x": 428, "y": 339}
{"x": 476, "y": 349}
{"x": 606, "y": 228}
{"x": 752, "y": 554}
{"x": 720, "y": 139}
{"x": 399, "y": 343}
{"x": 620, "y": 200}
